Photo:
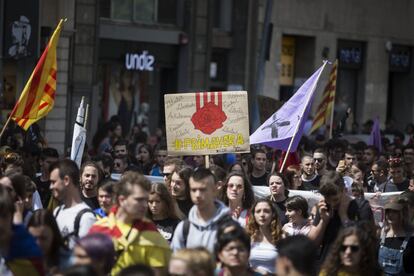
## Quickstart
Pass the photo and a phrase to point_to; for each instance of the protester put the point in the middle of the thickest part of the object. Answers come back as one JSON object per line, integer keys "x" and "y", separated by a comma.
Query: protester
{"x": 105, "y": 198}
{"x": 160, "y": 156}
{"x": 319, "y": 156}
{"x": 278, "y": 195}
{"x": 161, "y": 210}
{"x": 220, "y": 176}
{"x": 379, "y": 175}
{"x": 137, "y": 270}
{"x": 335, "y": 211}
{"x": 191, "y": 262}
{"x": 47, "y": 157}
{"x": 293, "y": 176}
{"x": 408, "y": 155}
{"x": 232, "y": 250}
{"x": 105, "y": 163}
{"x": 237, "y": 167}
{"x": 396, "y": 250}
{"x": 19, "y": 251}
{"x": 237, "y": 194}
{"x": 180, "y": 190}
{"x": 370, "y": 155}
{"x": 136, "y": 239}
{"x": 170, "y": 165}
{"x": 258, "y": 175}
{"x": 204, "y": 217}
{"x": 43, "y": 227}
{"x": 336, "y": 149}
{"x": 310, "y": 180}
{"x": 120, "y": 164}
{"x": 145, "y": 158}
{"x": 296, "y": 256}
{"x": 96, "y": 250}
{"x": 16, "y": 187}
{"x": 73, "y": 216}
{"x": 351, "y": 254}
{"x": 89, "y": 180}
{"x": 120, "y": 148}
{"x": 265, "y": 231}
{"x": 297, "y": 213}
{"x": 398, "y": 181}
{"x": 199, "y": 162}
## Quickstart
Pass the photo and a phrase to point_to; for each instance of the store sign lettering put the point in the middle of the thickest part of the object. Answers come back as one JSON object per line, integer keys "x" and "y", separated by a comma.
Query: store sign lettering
{"x": 141, "y": 62}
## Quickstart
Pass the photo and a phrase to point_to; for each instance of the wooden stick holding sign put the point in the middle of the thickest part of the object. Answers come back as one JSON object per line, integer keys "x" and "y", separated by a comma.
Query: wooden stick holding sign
{"x": 207, "y": 157}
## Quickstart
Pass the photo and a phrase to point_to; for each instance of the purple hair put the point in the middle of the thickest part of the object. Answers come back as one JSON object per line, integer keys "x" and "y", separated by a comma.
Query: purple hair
{"x": 99, "y": 247}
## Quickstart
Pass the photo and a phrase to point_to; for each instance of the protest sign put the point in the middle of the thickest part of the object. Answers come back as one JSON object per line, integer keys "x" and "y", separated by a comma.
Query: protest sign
{"x": 207, "y": 123}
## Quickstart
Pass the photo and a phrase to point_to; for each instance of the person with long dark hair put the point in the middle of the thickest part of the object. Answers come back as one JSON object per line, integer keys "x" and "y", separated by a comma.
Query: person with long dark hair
{"x": 43, "y": 227}
{"x": 237, "y": 194}
{"x": 161, "y": 209}
{"x": 265, "y": 231}
{"x": 180, "y": 189}
{"x": 352, "y": 253}
{"x": 145, "y": 158}
{"x": 278, "y": 186}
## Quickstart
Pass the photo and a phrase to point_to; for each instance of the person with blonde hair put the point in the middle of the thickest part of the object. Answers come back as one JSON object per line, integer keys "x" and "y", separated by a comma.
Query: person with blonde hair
{"x": 191, "y": 262}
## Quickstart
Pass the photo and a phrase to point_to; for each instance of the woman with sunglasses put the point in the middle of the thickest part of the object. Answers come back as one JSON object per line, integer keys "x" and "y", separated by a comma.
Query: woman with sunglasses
{"x": 353, "y": 253}
{"x": 237, "y": 193}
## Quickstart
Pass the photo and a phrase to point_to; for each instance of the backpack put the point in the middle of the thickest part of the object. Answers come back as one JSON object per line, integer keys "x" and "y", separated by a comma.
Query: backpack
{"x": 186, "y": 225}
{"x": 76, "y": 223}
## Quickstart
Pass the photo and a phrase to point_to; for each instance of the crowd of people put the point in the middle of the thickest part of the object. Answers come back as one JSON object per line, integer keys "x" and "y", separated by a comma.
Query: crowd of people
{"x": 203, "y": 218}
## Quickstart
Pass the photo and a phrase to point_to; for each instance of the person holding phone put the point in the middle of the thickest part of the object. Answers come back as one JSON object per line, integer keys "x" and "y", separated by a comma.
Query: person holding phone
{"x": 335, "y": 211}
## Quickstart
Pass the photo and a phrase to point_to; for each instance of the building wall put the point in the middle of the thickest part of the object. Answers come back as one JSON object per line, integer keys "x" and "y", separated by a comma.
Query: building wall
{"x": 374, "y": 22}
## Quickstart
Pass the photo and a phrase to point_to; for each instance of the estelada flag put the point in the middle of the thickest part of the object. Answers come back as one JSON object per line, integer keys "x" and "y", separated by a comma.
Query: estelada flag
{"x": 38, "y": 96}
{"x": 325, "y": 108}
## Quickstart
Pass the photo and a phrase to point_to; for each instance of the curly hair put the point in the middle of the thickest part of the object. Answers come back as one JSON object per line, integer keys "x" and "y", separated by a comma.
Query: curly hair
{"x": 248, "y": 196}
{"x": 253, "y": 228}
{"x": 368, "y": 263}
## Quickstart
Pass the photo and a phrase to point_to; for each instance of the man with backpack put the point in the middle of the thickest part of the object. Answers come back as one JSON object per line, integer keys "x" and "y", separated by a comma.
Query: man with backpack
{"x": 205, "y": 216}
{"x": 73, "y": 216}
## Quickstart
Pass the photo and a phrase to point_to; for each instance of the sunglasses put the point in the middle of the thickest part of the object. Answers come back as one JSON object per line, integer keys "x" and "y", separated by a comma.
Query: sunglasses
{"x": 166, "y": 174}
{"x": 318, "y": 159}
{"x": 354, "y": 248}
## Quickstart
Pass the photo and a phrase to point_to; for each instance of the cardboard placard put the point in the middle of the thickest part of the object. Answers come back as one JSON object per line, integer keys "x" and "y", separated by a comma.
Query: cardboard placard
{"x": 207, "y": 123}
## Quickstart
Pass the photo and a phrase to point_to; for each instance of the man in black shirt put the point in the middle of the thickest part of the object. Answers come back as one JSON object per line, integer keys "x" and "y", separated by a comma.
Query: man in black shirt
{"x": 335, "y": 211}
{"x": 310, "y": 180}
{"x": 258, "y": 177}
{"x": 90, "y": 177}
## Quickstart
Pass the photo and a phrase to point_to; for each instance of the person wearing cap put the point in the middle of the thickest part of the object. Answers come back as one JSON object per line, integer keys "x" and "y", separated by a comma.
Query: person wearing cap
{"x": 396, "y": 250}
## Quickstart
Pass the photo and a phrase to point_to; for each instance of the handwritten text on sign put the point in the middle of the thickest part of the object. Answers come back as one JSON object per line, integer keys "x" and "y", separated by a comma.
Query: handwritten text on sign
{"x": 207, "y": 123}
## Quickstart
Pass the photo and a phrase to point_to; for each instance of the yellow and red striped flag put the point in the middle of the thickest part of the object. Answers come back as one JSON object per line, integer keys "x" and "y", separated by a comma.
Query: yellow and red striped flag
{"x": 38, "y": 96}
{"x": 325, "y": 108}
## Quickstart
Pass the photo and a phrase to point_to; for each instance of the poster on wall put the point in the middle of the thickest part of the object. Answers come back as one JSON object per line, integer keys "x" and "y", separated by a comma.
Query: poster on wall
{"x": 207, "y": 123}
{"x": 21, "y": 28}
{"x": 123, "y": 97}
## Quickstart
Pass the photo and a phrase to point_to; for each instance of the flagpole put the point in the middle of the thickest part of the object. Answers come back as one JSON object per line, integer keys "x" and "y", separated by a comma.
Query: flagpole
{"x": 301, "y": 118}
{"x": 332, "y": 117}
{"x": 5, "y": 126}
{"x": 333, "y": 103}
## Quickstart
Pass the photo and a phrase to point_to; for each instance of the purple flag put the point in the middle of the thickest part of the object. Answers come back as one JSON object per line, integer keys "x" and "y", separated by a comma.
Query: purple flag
{"x": 278, "y": 130}
{"x": 375, "y": 137}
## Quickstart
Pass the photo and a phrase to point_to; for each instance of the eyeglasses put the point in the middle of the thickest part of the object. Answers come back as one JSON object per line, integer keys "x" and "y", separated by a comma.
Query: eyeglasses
{"x": 11, "y": 157}
{"x": 166, "y": 174}
{"x": 354, "y": 248}
{"x": 320, "y": 160}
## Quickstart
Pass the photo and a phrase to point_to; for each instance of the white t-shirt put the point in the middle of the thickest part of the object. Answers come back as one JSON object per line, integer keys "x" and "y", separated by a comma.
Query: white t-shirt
{"x": 66, "y": 221}
{"x": 293, "y": 230}
{"x": 263, "y": 256}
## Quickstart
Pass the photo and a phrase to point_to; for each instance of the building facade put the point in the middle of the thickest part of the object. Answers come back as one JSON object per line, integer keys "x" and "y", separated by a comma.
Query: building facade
{"x": 124, "y": 55}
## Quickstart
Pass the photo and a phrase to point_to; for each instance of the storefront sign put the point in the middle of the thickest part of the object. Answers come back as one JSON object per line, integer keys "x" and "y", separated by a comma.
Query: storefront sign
{"x": 287, "y": 60}
{"x": 21, "y": 28}
{"x": 141, "y": 62}
{"x": 207, "y": 123}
